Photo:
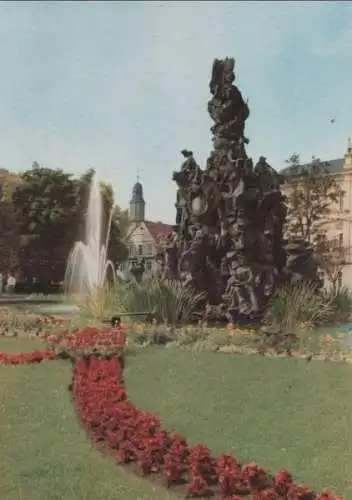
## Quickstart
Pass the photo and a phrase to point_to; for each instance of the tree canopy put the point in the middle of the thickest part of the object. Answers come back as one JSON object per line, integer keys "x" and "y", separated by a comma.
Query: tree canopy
{"x": 332, "y": 257}
{"x": 310, "y": 199}
{"x": 9, "y": 230}
{"x": 50, "y": 207}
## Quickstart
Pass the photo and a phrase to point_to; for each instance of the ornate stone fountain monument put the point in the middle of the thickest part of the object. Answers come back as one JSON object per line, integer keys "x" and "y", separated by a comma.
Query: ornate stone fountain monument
{"x": 228, "y": 237}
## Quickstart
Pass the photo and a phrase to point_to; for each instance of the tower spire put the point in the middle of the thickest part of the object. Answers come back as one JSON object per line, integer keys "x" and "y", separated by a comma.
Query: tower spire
{"x": 137, "y": 203}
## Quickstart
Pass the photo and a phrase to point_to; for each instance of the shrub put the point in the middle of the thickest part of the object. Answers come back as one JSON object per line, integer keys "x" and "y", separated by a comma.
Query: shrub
{"x": 297, "y": 305}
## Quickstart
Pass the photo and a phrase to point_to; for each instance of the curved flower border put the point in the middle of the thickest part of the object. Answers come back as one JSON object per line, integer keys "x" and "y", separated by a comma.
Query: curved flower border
{"x": 27, "y": 357}
{"x": 138, "y": 437}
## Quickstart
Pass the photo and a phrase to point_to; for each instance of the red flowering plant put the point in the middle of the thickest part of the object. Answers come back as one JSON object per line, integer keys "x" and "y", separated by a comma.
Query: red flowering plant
{"x": 229, "y": 475}
{"x": 269, "y": 494}
{"x": 26, "y": 357}
{"x": 300, "y": 492}
{"x": 202, "y": 471}
{"x": 176, "y": 460}
{"x": 89, "y": 342}
{"x": 327, "y": 495}
{"x": 255, "y": 477}
{"x": 283, "y": 482}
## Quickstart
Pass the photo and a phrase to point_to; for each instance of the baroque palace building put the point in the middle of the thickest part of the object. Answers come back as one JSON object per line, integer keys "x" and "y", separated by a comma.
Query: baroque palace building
{"x": 142, "y": 236}
{"x": 338, "y": 225}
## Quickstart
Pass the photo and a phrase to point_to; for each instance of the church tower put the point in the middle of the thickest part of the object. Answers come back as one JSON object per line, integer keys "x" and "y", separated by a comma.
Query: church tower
{"x": 137, "y": 203}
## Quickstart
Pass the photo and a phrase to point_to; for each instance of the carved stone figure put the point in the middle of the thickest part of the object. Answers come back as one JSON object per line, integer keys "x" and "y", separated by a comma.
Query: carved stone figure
{"x": 228, "y": 240}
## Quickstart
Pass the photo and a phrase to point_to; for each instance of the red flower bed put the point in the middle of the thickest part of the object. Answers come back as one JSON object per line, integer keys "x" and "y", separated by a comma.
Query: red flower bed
{"x": 89, "y": 341}
{"x": 26, "y": 357}
{"x": 137, "y": 436}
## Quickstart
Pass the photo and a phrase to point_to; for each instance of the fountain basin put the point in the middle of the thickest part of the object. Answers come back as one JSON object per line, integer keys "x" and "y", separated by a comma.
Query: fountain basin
{"x": 38, "y": 305}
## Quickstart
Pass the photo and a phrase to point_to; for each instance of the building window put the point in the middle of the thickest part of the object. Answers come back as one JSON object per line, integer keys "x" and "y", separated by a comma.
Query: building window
{"x": 140, "y": 249}
{"x": 150, "y": 249}
{"x": 148, "y": 265}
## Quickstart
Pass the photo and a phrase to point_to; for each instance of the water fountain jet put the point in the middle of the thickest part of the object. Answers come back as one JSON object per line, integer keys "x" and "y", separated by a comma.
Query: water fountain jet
{"x": 87, "y": 265}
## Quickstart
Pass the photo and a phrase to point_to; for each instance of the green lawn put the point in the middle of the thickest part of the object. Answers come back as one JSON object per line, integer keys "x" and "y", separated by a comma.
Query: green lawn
{"x": 277, "y": 412}
{"x": 44, "y": 454}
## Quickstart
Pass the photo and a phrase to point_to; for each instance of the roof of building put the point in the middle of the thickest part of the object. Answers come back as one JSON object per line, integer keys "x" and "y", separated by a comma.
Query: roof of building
{"x": 158, "y": 230}
{"x": 332, "y": 166}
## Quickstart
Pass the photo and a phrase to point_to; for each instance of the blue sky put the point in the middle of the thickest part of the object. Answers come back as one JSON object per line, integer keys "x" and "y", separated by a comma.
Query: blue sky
{"x": 123, "y": 86}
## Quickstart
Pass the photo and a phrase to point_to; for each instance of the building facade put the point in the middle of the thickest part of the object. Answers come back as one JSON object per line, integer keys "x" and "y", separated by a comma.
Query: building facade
{"x": 143, "y": 236}
{"x": 338, "y": 224}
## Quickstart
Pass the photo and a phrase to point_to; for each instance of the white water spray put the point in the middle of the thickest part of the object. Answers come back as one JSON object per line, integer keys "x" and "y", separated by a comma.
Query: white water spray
{"x": 87, "y": 264}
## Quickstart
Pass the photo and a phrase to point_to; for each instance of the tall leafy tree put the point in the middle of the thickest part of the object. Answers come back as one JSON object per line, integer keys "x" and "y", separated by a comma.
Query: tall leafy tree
{"x": 332, "y": 257}
{"x": 47, "y": 207}
{"x": 50, "y": 206}
{"x": 122, "y": 219}
{"x": 9, "y": 237}
{"x": 310, "y": 199}
{"x": 9, "y": 227}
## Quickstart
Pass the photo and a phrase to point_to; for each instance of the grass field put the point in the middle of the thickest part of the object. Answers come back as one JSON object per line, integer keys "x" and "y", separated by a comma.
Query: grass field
{"x": 277, "y": 412}
{"x": 44, "y": 453}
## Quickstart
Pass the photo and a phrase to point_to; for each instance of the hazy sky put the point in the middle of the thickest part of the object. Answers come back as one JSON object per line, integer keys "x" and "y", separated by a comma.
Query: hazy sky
{"x": 123, "y": 87}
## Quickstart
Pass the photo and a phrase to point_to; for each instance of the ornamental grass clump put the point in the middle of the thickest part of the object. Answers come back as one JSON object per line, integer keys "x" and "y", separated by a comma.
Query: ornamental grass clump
{"x": 295, "y": 305}
{"x": 341, "y": 302}
{"x": 170, "y": 301}
{"x": 100, "y": 303}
